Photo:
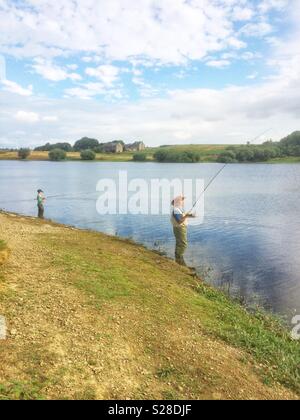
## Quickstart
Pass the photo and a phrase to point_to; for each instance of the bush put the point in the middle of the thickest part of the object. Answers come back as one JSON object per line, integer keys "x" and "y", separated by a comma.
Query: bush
{"x": 140, "y": 157}
{"x": 227, "y": 157}
{"x": 57, "y": 155}
{"x": 86, "y": 144}
{"x": 48, "y": 147}
{"x": 291, "y": 140}
{"x": 88, "y": 155}
{"x": 177, "y": 156}
{"x": 24, "y": 153}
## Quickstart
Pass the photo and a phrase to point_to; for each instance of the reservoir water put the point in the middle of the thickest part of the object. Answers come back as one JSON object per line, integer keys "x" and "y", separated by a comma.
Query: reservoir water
{"x": 249, "y": 242}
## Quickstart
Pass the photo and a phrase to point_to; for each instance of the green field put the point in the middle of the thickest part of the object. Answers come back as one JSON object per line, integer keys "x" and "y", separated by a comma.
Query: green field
{"x": 209, "y": 153}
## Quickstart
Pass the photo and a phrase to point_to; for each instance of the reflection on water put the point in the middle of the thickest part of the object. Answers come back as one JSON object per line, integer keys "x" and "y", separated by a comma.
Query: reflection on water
{"x": 250, "y": 239}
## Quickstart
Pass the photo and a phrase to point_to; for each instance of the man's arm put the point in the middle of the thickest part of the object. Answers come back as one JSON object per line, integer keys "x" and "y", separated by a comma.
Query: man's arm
{"x": 181, "y": 218}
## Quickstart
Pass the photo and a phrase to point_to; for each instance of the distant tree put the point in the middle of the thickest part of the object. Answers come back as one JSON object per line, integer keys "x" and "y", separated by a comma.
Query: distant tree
{"x": 63, "y": 146}
{"x": 47, "y": 147}
{"x": 161, "y": 155}
{"x": 177, "y": 156}
{"x": 57, "y": 155}
{"x": 295, "y": 150}
{"x": 227, "y": 157}
{"x": 24, "y": 153}
{"x": 119, "y": 141}
{"x": 88, "y": 155}
{"x": 140, "y": 157}
{"x": 291, "y": 140}
{"x": 86, "y": 144}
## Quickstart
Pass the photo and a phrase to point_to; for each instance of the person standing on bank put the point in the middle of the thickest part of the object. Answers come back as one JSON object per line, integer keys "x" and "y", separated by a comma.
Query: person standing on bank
{"x": 179, "y": 221}
{"x": 40, "y": 203}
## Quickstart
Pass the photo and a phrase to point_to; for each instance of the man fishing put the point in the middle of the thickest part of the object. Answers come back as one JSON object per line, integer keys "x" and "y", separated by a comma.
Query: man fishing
{"x": 179, "y": 221}
{"x": 40, "y": 203}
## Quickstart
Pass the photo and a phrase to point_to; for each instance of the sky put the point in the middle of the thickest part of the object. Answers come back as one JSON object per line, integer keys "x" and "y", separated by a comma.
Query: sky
{"x": 159, "y": 71}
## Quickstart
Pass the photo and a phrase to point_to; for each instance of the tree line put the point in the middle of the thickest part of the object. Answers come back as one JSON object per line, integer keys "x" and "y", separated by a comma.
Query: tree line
{"x": 83, "y": 144}
{"x": 56, "y": 154}
{"x": 287, "y": 147}
{"x": 87, "y": 147}
{"x": 174, "y": 156}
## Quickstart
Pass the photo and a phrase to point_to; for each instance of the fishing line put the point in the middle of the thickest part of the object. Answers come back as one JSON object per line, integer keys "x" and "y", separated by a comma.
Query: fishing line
{"x": 59, "y": 197}
{"x": 220, "y": 171}
{"x": 208, "y": 185}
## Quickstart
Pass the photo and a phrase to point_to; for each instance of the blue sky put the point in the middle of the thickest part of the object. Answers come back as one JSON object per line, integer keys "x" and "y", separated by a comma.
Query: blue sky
{"x": 166, "y": 72}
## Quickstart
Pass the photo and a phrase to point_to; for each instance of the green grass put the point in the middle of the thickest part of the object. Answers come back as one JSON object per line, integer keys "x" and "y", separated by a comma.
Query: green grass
{"x": 20, "y": 391}
{"x": 2, "y": 245}
{"x": 109, "y": 276}
{"x": 262, "y": 335}
{"x": 289, "y": 159}
{"x": 209, "y": 153}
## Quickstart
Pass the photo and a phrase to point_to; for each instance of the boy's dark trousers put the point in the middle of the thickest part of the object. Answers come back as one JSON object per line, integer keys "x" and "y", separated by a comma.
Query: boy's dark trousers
{"x": 41, "y": 210}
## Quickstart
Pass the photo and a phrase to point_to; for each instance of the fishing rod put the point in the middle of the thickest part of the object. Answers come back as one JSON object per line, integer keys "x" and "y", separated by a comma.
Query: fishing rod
{"x": 80, "y": 196}
{"x": 221, "y": 170}
{"x": 207, "y": 186}
{"x": 256, "y": 138}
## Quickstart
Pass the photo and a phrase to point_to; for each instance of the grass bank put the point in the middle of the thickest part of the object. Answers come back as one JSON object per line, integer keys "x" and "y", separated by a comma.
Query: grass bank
{"x": 208, "y": 153}
{"x": 92, "y": 316}
{"x": 4, "y": 252}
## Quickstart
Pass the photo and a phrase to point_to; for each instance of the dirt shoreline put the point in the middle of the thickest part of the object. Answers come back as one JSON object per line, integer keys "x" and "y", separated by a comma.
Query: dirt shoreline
{"x": 91, "y": 316}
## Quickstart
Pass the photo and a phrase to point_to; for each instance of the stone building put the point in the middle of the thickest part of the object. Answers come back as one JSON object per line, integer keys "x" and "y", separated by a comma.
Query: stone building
{"x": 138, "y": 146}
{"x": 113, "y": 147}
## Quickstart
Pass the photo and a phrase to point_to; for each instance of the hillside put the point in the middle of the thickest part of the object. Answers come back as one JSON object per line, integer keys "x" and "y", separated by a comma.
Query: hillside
{"x": 92, "y": 316}
{"x": 208, "y": 153}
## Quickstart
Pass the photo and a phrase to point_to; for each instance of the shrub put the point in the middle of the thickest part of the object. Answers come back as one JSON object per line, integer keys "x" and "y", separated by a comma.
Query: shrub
{"x": 57, "y": 155}
{"x": 86, "y": 144}
{"x": 140, "y": 157}
{"x": 48, "y": 147}
{"x": 227, "y": 157}
{"x": 24, "y": 153}
{"x": 88, "y": 155}
{"x": 177, "y": 156}
{"x": 4, "y": 252}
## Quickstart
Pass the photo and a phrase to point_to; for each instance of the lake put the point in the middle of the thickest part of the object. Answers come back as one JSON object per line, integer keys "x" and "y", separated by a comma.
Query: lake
{"x": 248, "y": 244}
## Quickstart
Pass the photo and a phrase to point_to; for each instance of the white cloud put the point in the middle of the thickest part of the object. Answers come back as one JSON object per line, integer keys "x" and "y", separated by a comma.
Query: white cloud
{"x": 27, "y": 117}
{"x": 171, "y": 31}
{"x": 33, "y": 117}
{"x": 250, "y": 55}
{"x": 145, "y": 89}
{"x": 257, "y": 29}
{"x": 50, "y": 119}
{"x": 195, "y": 115}
{"x": 72, "y": 67}
{"x": 107, "y": 74}
{"x": 87, "y": 59}
{"x": 252, "y": 76}
{"x": 242, "y": 13}
{"x": 14, "y": 87}
{"x": 220, "y": 64}
{"x": 52, "y": 72}
{"x": 86, "y": 91}
{"x": 265, "y": 6}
